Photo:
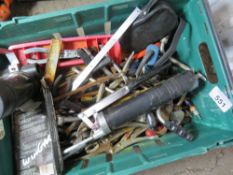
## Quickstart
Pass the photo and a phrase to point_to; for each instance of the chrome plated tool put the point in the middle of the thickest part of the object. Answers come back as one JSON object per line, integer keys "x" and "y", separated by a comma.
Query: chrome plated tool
{"x": 90, "y": 67}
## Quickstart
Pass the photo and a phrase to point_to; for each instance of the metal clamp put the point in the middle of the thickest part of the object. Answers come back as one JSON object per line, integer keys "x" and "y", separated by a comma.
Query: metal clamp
{"x": 14, "y": 62}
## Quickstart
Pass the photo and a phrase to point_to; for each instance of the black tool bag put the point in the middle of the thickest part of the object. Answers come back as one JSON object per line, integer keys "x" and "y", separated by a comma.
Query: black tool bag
{"x": 157, "y": 20}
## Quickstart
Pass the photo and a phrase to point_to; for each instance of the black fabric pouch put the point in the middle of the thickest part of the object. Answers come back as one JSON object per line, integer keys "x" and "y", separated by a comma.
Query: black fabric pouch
{"x": 157, "y": 20}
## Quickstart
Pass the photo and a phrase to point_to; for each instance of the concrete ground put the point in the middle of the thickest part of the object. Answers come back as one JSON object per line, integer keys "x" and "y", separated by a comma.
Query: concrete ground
{"x": 217, "y": 162}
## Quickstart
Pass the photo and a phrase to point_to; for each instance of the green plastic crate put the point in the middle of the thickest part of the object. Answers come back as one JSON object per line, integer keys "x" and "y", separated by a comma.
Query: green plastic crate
{"x": 214, "y": 130}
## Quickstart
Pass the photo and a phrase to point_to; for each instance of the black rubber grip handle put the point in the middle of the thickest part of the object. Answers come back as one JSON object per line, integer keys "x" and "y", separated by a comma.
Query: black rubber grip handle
{"x": 150, "y": 100}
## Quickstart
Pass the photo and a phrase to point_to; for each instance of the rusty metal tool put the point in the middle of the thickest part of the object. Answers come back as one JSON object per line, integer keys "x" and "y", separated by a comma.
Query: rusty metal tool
{"x": 92, "y": 80}
{"x": 84, "y": 87}
{"x": 131, "y": 138}
{"x": 53, "y": 57}
{"x": 128, "y": 63}
{"x": 100, "y": 92}
{"x": 108, "y": 144}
